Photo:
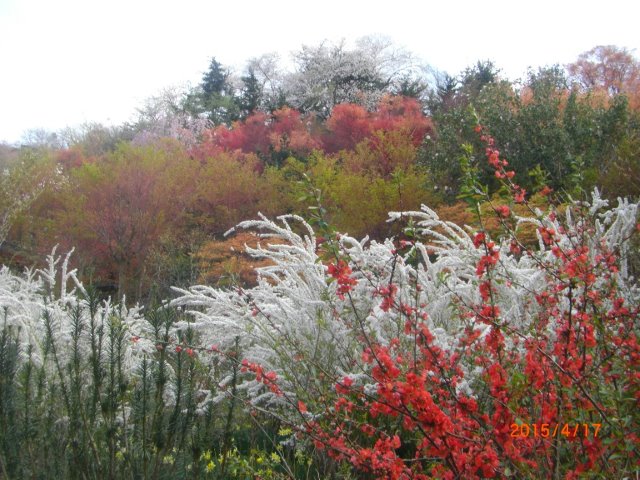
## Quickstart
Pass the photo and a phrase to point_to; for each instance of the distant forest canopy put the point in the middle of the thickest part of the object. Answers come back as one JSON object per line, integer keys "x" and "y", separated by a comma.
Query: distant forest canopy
{"x": 361, "y": 131}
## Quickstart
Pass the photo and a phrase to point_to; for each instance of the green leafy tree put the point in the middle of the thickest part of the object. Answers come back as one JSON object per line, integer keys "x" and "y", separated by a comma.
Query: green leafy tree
{"x": 542, "y": 127}
{"x": 412, "y": 87}
{"x": 214, "y": 81}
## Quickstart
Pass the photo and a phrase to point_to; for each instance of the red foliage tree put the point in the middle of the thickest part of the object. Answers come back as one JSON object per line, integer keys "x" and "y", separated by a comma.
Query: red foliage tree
{"x": 249, "y": 136}
{"x": 402, "y": 113}
{"x": 72, "y": 158}
{"x": 351, "y": 124}
{"x": 289, "y": 132}
{"x": 348, "y": 125}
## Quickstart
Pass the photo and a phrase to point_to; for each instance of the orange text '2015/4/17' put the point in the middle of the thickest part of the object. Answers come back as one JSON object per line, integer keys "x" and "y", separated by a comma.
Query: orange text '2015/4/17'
{"x": 546, "y": 430}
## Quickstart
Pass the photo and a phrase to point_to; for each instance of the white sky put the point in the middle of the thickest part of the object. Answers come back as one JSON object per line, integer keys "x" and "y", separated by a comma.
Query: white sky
{"x": 65, "y": 62}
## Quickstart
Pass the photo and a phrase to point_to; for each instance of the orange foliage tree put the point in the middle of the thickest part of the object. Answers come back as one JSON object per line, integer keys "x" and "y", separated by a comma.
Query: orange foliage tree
{"x": 611, "y": 69}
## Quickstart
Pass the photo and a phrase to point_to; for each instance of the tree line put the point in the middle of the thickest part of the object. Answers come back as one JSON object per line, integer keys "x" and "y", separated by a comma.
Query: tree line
{"x": 145, "y": 202}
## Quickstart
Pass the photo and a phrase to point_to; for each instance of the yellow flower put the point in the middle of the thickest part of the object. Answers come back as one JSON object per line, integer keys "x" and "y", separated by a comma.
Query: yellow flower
{"x": 210, "y": 466}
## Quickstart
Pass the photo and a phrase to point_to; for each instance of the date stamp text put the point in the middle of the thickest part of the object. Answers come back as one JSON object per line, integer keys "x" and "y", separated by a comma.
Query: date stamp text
{"x": 553, "y": 430}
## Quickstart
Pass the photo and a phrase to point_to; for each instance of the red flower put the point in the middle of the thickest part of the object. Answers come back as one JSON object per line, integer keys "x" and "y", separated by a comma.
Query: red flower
{"x": 494, "y": 157}
{"x": 490, "y": 311}
{"x": 546, "y": 190}
{"x": 388, "y": 294}
{"x": 547, "y": 234}
{"x": 503, "y": 211}
{"x": 485, "y": 290}
{"x": 487, "y": 261}
{"x": 344, "y": 386}
{"x": 479, "y": 239}
{"x": 341, "y": 272}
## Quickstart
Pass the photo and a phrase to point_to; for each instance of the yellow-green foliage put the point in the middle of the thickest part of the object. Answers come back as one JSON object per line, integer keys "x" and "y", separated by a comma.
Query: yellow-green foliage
{"x": 358, "y": 199}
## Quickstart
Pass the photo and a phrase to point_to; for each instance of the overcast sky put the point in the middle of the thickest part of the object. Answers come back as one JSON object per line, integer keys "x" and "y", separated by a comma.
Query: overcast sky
{"x": 65, "y": 62}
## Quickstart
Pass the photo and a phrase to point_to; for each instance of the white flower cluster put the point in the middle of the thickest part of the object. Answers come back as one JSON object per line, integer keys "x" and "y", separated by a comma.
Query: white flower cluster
{"x": 297, "y": 311}
{"x": 50, "y": 305}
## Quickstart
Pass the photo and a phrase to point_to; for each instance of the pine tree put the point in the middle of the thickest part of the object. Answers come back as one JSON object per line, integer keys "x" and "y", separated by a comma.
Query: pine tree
{"x": 215, "y": 97}
{"x": 251, "y": 95}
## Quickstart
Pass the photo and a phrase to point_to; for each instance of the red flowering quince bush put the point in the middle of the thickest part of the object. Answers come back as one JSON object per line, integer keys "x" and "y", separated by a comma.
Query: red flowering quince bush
{"x": 448, "y": 354}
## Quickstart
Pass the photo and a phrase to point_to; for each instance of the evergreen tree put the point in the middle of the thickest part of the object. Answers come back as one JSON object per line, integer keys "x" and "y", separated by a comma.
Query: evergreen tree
{"x": 215, "y": 97}
{"x": 214, "y": 81}
{"x": 251, "y": 95}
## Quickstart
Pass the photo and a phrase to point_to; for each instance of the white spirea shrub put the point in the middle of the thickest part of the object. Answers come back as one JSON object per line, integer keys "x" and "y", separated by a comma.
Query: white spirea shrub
{"x": 296, "y": 323}
{"x": 50, "y": 304}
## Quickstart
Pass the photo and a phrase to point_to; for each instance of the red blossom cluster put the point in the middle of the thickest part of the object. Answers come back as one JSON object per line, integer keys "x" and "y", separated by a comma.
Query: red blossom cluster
{"x": 388, "y": 295}
{"x": 492, "y": 254}
{"x": 267, "y": 378}
{"x": 499, "y": 165}
{"x": 188, "y": 350}
{"x": 342, "y": 273}
{"x": 415, "y": 392}
{"x": 503, "y": 211}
